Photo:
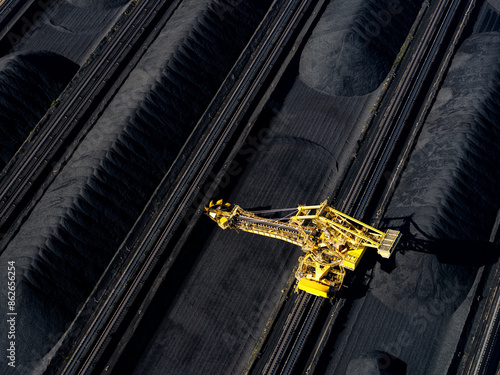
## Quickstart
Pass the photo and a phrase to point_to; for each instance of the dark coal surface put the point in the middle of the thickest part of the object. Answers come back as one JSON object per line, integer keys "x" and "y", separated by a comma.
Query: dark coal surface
{"x": 376, "y": 362}
{"x": 333, "y": 123}
{"x": 29, "y": 82}
{"x": 69, "y": 238}
{"x": 98, "y": 4}
{"x": 350, "y": 34}
{"x": 224, "y": 302}
{"x": 72, "y": 29}
{"x": 495, "y": 4}
{"x": 456, "y": 198}
{"x": 447, "y": 196}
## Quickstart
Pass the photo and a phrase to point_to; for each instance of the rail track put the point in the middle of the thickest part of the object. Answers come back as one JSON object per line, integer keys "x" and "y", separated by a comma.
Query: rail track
{"x": 484, "y": 358}
{"x": 480, "y": 352}
{"x": 153, "y": 237}
{"x": 383, "y": 142}
{"x": 11, "y": 11}
{"x": 35, "y": 165}
{"x": 6, "y": 8}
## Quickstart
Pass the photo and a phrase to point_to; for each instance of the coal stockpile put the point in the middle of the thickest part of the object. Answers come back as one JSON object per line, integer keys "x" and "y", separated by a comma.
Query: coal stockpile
{"x": 29, "y": 82}
{"x": 222, "y": 305}
{"x": 376, "y": 363}
{"x": 449, "y": 188}
{"x": 445, "y": 205}
{"x": 97, "y": 4}
{"x": 354, "y": 45}
{"x": 72, "y": 29}
{"x": 69, "y": 238}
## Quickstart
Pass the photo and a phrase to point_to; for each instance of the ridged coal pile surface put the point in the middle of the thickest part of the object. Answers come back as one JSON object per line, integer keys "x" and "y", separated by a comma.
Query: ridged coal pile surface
{"x": 376, "y": 363}
{"x": 43, "y": 58}
{"x": 351, "y": 33}
{"x": 97, "y": 4}
{"x": 29, "y": 82}
{"x": 223, "y": 300}
{"x": 70, "y": 28}
{"x": 445, "y": 205}
{"x": 69, "y": 238}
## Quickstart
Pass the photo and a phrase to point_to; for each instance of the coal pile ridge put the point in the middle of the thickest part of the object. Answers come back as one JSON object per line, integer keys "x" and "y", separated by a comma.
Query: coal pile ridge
{"x": 449, "y": 188}
{"x": 350, "y": 34}
{"x": 72, "y": 29}
{"x": 447, "y": 195}
{"x": 376, "y": 363}
{"x": 69, "y": 238}
{"x": 222, "y": 306}
{"x": 29, "y": 82}
{"x": 97, "y": 4}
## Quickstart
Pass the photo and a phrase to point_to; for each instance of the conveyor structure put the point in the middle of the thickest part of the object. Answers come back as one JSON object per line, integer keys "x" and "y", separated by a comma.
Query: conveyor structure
{"x": 332, "y": 241}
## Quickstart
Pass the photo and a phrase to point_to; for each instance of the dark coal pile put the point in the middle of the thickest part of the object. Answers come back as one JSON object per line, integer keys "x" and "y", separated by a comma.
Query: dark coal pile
{"x": 74, "y": 230}
{"x": 449, "y": 188}
{"x": 354, "y": 45}
{"x": 97, "y": 4}
{"x": 376, "y": 363}
{"x": 447, "y": 195}
{"x": 331, "y": 123}
{"x": 29, "y": 82}
{"x": 71, "y": 29}
{"x": 494, "y": 3}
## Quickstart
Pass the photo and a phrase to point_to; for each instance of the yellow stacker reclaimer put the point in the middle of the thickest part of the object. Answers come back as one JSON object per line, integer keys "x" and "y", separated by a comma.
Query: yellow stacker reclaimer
{"x": 331, "y": 240}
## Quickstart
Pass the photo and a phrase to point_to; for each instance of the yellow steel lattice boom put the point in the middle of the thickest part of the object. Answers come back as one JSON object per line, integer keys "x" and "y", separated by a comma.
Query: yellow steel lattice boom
{"x": 332, "y": 241}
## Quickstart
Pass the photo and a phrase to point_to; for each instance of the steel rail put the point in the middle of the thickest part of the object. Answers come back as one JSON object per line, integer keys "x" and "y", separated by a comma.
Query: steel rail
{"x": 480, "y": 355}
{"x": 10, "y": 13}
{"x": 312, "y": 315}
{"x": 489, "y": 337}
{"x": 5, "y": 7}
{"x": 189, "y": 181}
{"x": 52, "y": 134}
{"x": 291, "y": 325}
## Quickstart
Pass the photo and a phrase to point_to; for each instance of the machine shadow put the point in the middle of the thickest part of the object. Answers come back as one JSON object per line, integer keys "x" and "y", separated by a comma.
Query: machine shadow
{"x": 470, "y": 253}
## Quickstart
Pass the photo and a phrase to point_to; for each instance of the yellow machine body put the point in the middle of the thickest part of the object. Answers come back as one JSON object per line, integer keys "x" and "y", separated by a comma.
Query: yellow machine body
{"x": 313, "y": 287}
{"x": 332, "y": 241}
